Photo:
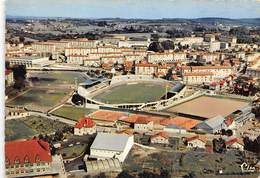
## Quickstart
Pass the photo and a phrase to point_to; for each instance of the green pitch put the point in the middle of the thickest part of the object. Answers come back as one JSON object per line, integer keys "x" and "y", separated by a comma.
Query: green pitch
{"x": 132, "y": 93}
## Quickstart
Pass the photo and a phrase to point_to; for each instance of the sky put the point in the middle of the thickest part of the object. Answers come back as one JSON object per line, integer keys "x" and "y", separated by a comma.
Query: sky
{"x": 148, "y": 9}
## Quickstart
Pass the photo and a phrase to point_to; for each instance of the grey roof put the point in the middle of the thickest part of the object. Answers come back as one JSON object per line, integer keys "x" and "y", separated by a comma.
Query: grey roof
{"x": 110, "y": 141}
{"x": 177, "y": 87}
{"x": 174, "y": 127}
{"x": 91, "y": 81}
{"x": 212, "y": 123}
{"x": 245, "y": 109}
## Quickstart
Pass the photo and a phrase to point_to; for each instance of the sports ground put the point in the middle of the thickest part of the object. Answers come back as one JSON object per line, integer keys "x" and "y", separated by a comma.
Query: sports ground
{"x": 132, "y": 93}
{"x": 208, "y": 107}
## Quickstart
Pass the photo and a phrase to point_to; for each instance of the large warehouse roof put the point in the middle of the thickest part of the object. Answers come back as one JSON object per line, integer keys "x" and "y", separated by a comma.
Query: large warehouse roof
{"x": 110, "y": 141}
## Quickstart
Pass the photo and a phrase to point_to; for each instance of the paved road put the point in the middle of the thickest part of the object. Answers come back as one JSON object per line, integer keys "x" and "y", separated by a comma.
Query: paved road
{"x": 52, "y": 117}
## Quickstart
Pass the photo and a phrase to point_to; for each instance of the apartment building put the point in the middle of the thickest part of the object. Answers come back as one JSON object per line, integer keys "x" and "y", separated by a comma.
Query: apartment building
{"x": 197, "y": 78}
{"x": 146, "y": 69}
{"x": 218, "y": 71}
{"x": 76, "y": 59}
{"x": 83, "y": 42}
{"x": 46, "y": 47}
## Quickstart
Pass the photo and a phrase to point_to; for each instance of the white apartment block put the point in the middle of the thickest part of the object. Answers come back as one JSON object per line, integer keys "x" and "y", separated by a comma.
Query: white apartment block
{"x": 146, "y": 69}
{"x": 218, "y": 71}
{"x": 197, "y": 78}
{"x": 44, "y": 47}
{"x": 166, "y": 57}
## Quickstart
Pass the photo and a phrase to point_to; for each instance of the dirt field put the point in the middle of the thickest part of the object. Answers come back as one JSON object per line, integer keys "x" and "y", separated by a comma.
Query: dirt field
{"x": 208, "y": 107}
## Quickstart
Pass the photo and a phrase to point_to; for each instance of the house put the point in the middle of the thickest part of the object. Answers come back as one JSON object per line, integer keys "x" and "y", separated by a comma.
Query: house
{"x": 111, "y": 145}
{"x": 160, "y": 138}
{"x": 84, "y": 126}
{"x": 235, "y": 143}
{"x": 145, "y": 123}
{"x": 196, "y": 142}
{"x": 27, "y": 158}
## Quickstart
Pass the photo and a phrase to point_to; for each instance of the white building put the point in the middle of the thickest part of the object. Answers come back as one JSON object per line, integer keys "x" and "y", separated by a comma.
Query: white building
{"x": 160, "y": 138}
{"x": 29, "y": 61}
{"x": 214, "y": 46}
{"x": 196, "y": 142}
{"x": 197, "y": 78}
{"x": 111, "y": 145}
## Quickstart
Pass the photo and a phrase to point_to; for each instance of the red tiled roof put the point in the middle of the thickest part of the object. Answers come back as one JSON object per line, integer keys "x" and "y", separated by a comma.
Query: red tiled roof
{"x": 196, "y": 137}
{"x": 181, "y": 122}
{"x": 84, "y": 122}
{"x": 7, "y": 72}
{"x": 108, "y": 116}
{"x": 161, "y": 134}
{"x": 29, "y": 149}
{"x": 146, "y": 65}
{"x": 198, "y": 74}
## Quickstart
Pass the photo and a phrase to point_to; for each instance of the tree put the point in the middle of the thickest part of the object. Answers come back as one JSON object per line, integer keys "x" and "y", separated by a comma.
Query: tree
{"x": 21, "y": 39}
{"x": 19, "y": 72}
{"x": 156, "y": 47}
{"x": 154, "y": 37}
{"x": 229, "y": 132}
{"x": 169, "y": 74}
{"x": 167, "y": 45}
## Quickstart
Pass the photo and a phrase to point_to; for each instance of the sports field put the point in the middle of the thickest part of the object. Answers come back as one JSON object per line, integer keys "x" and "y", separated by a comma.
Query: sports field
{"x": 39, "y": 99}
{"x": 71, "y": 112}
{"x": 132, "y": 93}
{"x": 208, "y": 107}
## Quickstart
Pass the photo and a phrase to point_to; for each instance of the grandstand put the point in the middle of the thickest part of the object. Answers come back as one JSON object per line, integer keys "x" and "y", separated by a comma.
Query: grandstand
{"x": 138, "y": 92}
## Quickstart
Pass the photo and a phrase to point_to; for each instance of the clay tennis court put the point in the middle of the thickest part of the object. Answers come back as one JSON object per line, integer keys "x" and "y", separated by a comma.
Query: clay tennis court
{"x": 208, "y": 107}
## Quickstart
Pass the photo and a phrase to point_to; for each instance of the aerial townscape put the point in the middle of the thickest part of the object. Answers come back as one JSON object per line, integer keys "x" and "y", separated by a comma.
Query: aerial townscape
{"x": 125, "y": 98}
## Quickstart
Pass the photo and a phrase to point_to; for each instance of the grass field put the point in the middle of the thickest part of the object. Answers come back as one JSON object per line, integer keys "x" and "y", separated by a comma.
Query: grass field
{"x": 72, "y": 151}
{"x": 39, "y": 99}
{"x": 132, "y": 93}
{"x": 48, "y": 77}
{"x": 16, "y": 129}
{"x": 73, "y": 113}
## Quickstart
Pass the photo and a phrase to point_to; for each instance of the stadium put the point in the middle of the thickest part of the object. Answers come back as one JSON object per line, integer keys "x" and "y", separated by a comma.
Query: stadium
{"x": 138, "y": 92}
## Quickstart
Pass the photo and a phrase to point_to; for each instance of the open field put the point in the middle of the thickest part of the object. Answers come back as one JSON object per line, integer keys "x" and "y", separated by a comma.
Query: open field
{"x": 71, "y": 112}
{"x": 39, "y": 99}
{"x": 72, "y": 151}
{"x": 181, "y": 163}
{"x": 132, "y": 93}
{"x": 208, "y": 107}
{"x": 16, "y": 129}
{"x": 42, "y": 125}
{"x": 51, "y": 77}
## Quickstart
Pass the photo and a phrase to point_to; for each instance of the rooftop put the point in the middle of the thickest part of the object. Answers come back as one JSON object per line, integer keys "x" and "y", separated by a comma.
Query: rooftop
{"x": 110, "y": 141}
{"x": 104, "y": 115}
{"x": 29, "y": 150}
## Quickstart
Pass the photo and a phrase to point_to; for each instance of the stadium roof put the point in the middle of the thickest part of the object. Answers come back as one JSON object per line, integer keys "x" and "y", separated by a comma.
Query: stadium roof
{"x": 110, "y": 141}
{"x": 211, "y": 123}
{"x": 91, "y": 81}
